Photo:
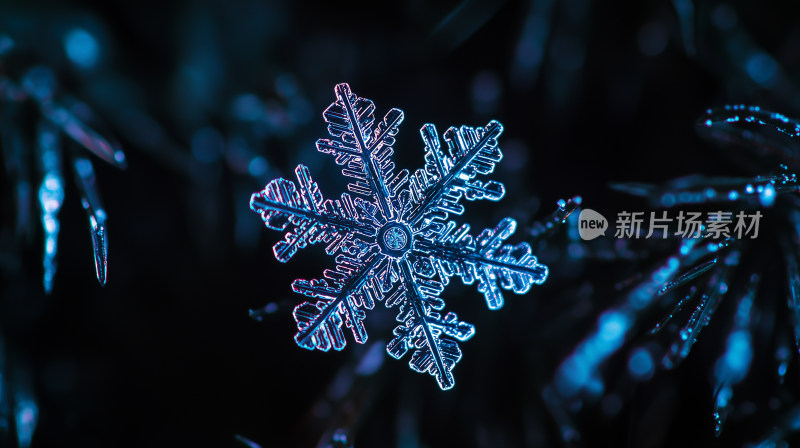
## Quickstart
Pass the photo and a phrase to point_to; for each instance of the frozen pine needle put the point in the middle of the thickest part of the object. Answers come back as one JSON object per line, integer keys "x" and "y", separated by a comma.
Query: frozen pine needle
{"x": 733, "y": 266}
{"x": 688, "y": 276}
{"x": 678, "y": 306}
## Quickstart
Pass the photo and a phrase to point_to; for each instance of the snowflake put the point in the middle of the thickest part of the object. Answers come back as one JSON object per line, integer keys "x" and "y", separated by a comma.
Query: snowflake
{"x": 392, "y": 238}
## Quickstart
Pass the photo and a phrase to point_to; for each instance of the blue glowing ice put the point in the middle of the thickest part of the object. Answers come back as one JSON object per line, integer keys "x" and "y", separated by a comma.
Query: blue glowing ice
{"x": 39, "y": 86}
{"x": 641, "y": 365}
{"x": 392, "y": 238}
{"x": 51, "y": 197}
{"x": 81, "y": 48}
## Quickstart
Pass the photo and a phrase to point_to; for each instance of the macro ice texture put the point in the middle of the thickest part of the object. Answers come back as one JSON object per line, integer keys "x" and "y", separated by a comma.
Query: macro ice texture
{"x": 392, "y": 237}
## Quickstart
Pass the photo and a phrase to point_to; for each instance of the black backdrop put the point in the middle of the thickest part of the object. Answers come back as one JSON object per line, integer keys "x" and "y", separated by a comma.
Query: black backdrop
{"x": 166, "y": 355}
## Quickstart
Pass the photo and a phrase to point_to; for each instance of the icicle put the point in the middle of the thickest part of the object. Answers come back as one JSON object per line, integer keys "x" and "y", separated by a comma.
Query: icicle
{"x": 51, "y": 197}
{"x": 90, "y": 198}
{"x": 688, "y": 276}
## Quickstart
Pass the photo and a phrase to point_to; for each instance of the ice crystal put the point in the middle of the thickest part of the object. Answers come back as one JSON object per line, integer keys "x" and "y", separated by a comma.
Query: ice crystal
{"x": 55, "y": 117}
{"x": 392, "y": 237}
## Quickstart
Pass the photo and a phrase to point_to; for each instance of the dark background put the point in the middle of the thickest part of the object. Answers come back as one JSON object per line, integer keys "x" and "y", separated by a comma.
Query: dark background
{"x": 165, "y": 355}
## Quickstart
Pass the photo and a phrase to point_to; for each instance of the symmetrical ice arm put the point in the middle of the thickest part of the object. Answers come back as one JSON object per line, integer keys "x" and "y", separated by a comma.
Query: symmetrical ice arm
{"x": 364, "y": 150}
{"x": 436, "y": 189}
{"x": 485, "y": 258}
{"x": 312, "y": 219}
{"x": 344, "y": 293}
{"x": 423, "y": 329}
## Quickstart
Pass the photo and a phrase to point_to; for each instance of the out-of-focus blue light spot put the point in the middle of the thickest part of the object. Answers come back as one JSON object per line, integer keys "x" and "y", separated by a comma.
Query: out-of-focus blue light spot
{"x": 340, "y": 438}
{"x": 258, "y": 167}
{"x": 791, "y": 423}
{"x": 578, "y": 372}
{"x": 573, "y": 374}
{"x": 6, "y": 44}
{"x": 515, "y": 155}
{"x": 686, "y": 14}
{"x": 300, "y": 110}
{"x": 51, "y": 195}
{"x": 271, "y": 308}
{"x": 612, "y": 404}
{"x": 641, "y": 365}
{"x": 258, "y": 314}
{"x": 248, "y": 107}
{"x": 613, "y": 326}
{"x": 733, "y": 365}
{"x": 286, "y": 86}
{"x": 486, "y": 90}
{"x": 640, "y": 297}
{"x": 568, "y": 53}
{"x": 733, "y": 195}
{"x": 761, "y": 68}
{"x": 783, "y": 356}
{"x": 576, "y": 251}
{"x": 26, "y": 415}
{"x": 652, "y": 39}
{"x": 724, "y": 396}
{"x": 724, "y": 17}
{"x": 668, "y": 200}
{"x": 372, "y": 360}
{"x": 530, "y": 49}
{"x": 767, "y": 196}
{"x": 529, "y": 53}
{"x": 247, "y": 442}
{"x": 82, "y": 48}
{"x": 40, "y": 82}
{"x": 207, "y": 145}
{"x": 84, "y": 168}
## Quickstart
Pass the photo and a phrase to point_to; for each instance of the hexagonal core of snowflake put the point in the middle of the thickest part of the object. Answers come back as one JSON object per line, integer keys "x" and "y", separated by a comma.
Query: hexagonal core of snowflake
{"x": 394, "y": 239}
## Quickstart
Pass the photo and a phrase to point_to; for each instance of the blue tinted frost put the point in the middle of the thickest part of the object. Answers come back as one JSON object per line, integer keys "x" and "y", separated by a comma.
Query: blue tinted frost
{"x": 392, "y": 237}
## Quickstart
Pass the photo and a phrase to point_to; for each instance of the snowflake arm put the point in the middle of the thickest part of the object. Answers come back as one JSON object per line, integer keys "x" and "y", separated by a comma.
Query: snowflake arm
{"x": 312, "y": 219}
{"x": 484, "y": 258}
{"x": 437, "y": 189}
{"x": 366, "y": 152}
{"x": 423, "y": 329}
{"x": 343, "y": 294}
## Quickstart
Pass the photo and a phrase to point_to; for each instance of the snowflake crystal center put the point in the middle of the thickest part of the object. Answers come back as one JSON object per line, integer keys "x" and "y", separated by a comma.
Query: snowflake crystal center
{"x": 394, "y": 239}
